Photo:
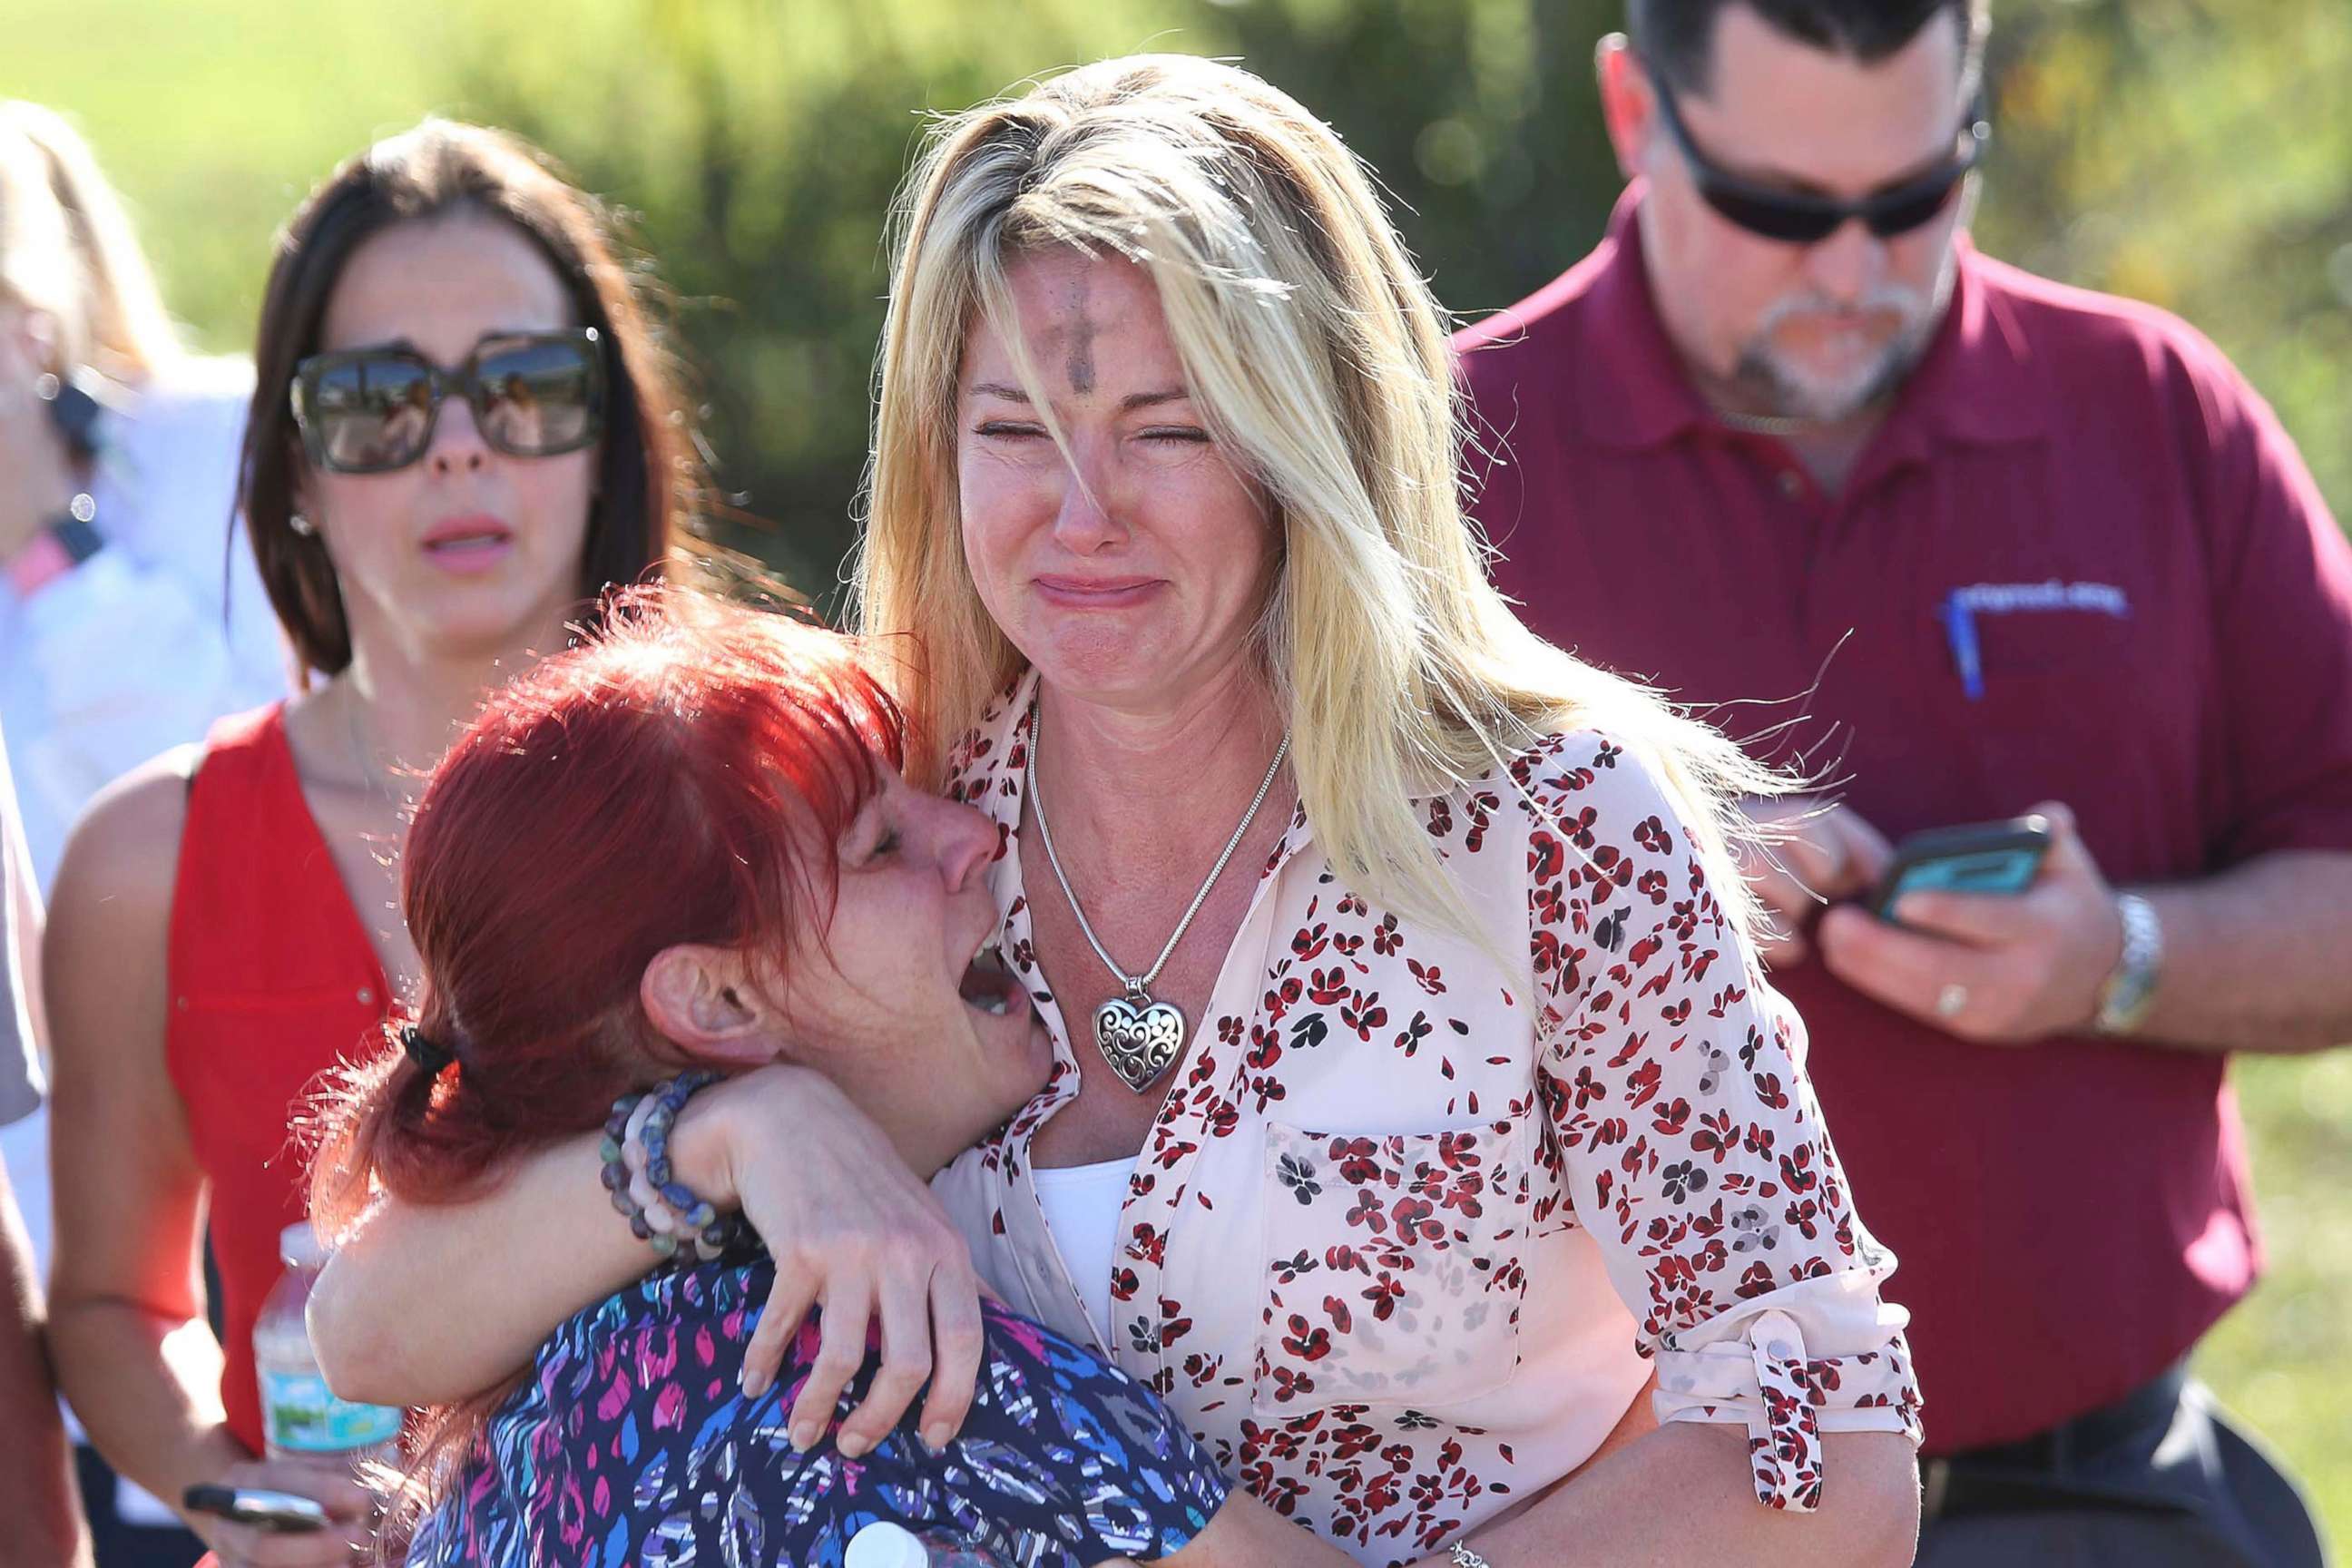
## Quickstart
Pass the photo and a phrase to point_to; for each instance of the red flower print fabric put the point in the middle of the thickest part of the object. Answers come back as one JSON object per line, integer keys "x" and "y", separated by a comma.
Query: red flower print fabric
{"x": 1422, "y": 1209}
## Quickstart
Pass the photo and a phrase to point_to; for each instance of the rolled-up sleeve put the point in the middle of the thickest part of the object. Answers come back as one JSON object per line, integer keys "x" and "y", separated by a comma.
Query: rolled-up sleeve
{"x": 1687, "y": 1136}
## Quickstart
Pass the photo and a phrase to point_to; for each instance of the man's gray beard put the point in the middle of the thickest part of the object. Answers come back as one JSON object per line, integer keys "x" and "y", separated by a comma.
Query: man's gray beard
{"x": 1789, "y": 396}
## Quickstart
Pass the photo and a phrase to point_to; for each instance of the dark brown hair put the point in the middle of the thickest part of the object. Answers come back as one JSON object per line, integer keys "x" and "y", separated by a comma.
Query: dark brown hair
{"x": 1676, "y": 38}
{"x": 648, "y": 477}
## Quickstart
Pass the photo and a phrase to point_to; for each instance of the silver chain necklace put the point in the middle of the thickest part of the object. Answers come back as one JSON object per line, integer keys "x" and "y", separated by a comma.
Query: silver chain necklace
{"x": 1140, "y": 1038}
{"x": 360, "y": 753}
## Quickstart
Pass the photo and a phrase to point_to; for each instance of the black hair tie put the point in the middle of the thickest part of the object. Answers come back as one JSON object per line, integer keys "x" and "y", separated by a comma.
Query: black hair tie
{"x": 423, "y": 1050}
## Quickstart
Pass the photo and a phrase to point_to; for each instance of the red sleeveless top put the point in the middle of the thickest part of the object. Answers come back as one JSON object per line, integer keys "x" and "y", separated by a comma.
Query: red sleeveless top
{"x": 272, "y": 981}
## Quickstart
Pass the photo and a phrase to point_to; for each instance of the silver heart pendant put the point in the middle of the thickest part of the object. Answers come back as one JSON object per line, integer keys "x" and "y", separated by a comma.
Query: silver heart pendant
{"x": 1139, "y": 1042}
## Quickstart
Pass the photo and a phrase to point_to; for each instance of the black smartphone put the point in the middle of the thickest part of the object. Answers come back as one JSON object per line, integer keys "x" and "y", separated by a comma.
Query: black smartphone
{"x": 1974, "y": 857}
{"x": 280, "y": 1513}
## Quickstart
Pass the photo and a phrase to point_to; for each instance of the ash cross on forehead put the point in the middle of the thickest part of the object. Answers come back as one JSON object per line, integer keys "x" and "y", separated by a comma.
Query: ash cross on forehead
{"x": 1081, "y": 336}
{"x": 1071, "y": 330}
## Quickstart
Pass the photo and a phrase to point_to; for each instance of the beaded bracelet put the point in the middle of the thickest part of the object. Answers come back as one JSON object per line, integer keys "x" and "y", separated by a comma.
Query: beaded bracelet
{"x": 662, "y": 1210}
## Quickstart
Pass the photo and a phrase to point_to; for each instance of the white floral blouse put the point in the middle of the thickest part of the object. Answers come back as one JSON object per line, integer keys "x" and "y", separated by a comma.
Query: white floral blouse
{"x": 1408, "y": 1233}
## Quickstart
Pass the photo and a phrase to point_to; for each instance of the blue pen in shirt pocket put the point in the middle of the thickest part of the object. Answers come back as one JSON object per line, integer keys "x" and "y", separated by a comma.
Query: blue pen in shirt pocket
{"x": 1960, "y": 636}
{"x": 1963, "y": 607}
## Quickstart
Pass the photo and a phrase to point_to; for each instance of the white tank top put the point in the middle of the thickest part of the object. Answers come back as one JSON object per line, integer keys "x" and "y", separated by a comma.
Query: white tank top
{"x": 1082, "y": 1204}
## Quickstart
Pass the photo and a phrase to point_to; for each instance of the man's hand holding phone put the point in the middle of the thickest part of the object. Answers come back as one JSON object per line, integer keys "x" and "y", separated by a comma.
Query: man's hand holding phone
{"x": 2002, "y": 968}
{"x": 1815, "y": 853}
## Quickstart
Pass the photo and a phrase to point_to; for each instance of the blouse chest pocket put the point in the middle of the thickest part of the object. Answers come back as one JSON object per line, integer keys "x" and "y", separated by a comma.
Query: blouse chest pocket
{"x": 1395, "y": 1270}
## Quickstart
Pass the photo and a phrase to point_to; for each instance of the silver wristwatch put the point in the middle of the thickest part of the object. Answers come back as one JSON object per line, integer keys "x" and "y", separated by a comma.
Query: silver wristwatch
{"x": 2123, "y": 999}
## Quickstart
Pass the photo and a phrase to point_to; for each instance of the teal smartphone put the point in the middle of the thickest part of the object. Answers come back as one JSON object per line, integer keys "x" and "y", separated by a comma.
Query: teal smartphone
{"x": 1974, "y": 857}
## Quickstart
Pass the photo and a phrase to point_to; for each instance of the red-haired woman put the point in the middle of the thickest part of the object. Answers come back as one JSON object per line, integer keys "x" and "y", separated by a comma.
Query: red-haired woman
{"x": 658, "y": 856}
{"x": 462, "y": 429}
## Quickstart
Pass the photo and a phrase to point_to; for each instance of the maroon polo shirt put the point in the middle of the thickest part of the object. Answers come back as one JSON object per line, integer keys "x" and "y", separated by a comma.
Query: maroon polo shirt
{"x": 2079, "y": 562}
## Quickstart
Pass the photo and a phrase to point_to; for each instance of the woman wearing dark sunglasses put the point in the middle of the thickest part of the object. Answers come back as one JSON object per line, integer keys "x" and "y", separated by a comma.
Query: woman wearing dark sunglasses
{"x": 463, "y": 428}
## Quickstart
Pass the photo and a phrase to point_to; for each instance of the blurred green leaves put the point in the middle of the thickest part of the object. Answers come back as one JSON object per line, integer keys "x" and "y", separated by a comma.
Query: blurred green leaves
{"x": 2196, "y": 155}
{"x": 759, "y": 141}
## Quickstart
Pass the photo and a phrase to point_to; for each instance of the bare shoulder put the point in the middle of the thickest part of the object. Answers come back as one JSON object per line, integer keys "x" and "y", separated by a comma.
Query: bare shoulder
{"x": 123, "y": 853}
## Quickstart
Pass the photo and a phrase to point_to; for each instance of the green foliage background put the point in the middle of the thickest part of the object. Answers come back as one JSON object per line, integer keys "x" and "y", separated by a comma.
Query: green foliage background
{"x": 2196, "y": 153}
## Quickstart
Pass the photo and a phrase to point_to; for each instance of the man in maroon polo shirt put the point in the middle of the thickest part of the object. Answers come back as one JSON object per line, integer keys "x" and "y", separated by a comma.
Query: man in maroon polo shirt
{"x": 1993, "y": 545}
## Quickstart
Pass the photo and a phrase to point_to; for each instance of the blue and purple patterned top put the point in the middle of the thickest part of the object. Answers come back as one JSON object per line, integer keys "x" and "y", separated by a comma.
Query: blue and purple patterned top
{"x": 631, "y": 1443}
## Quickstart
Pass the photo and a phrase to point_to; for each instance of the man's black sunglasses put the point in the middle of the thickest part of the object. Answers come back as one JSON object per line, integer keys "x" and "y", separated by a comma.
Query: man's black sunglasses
{"x": 369, "y": 411}
{"x": 1797, "y": 218}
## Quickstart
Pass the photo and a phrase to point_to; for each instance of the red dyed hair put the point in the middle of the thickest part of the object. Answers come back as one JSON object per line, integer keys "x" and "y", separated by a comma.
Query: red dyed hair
{"x": 663, "y": 782}
{"x": 677, "y": 777}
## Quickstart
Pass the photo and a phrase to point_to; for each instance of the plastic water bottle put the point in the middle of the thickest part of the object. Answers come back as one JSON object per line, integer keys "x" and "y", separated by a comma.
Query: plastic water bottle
{"x": 300, "y": 1418}
{"x": 885, "y": 1545}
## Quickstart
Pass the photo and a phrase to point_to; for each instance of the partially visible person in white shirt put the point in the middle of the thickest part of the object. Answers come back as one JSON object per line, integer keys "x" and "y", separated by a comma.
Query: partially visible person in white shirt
{"x": 130, "y": 614}
{"x": 22, "y": 1076}
{"x": 44, "y": 1523}
{"x": 128, "y": 622}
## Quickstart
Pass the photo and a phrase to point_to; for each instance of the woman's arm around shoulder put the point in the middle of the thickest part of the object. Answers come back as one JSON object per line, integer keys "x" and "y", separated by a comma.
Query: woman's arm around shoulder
{"x": 856, "y": 1232}
{"x": 537, "y": 1245}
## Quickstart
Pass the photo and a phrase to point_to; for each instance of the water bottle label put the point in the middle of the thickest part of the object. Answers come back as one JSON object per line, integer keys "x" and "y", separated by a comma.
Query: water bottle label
{"x": 303, "y": 1416}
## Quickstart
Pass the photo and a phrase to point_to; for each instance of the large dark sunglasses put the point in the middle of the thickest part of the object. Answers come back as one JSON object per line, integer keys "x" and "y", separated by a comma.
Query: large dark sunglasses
{"x": 369, "y": 411}
{"x": 1797, "y": 218}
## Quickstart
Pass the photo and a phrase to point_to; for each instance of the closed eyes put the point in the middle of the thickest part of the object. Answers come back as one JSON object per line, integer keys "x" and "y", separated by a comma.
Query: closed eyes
{"x": 880, "y": 839}
{"x": 998, "y": 429}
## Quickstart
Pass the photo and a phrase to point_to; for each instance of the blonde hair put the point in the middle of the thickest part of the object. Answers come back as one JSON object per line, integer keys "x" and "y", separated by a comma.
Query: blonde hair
{"x": 1319, "y": 358}
{"x": 67, "y": 248}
